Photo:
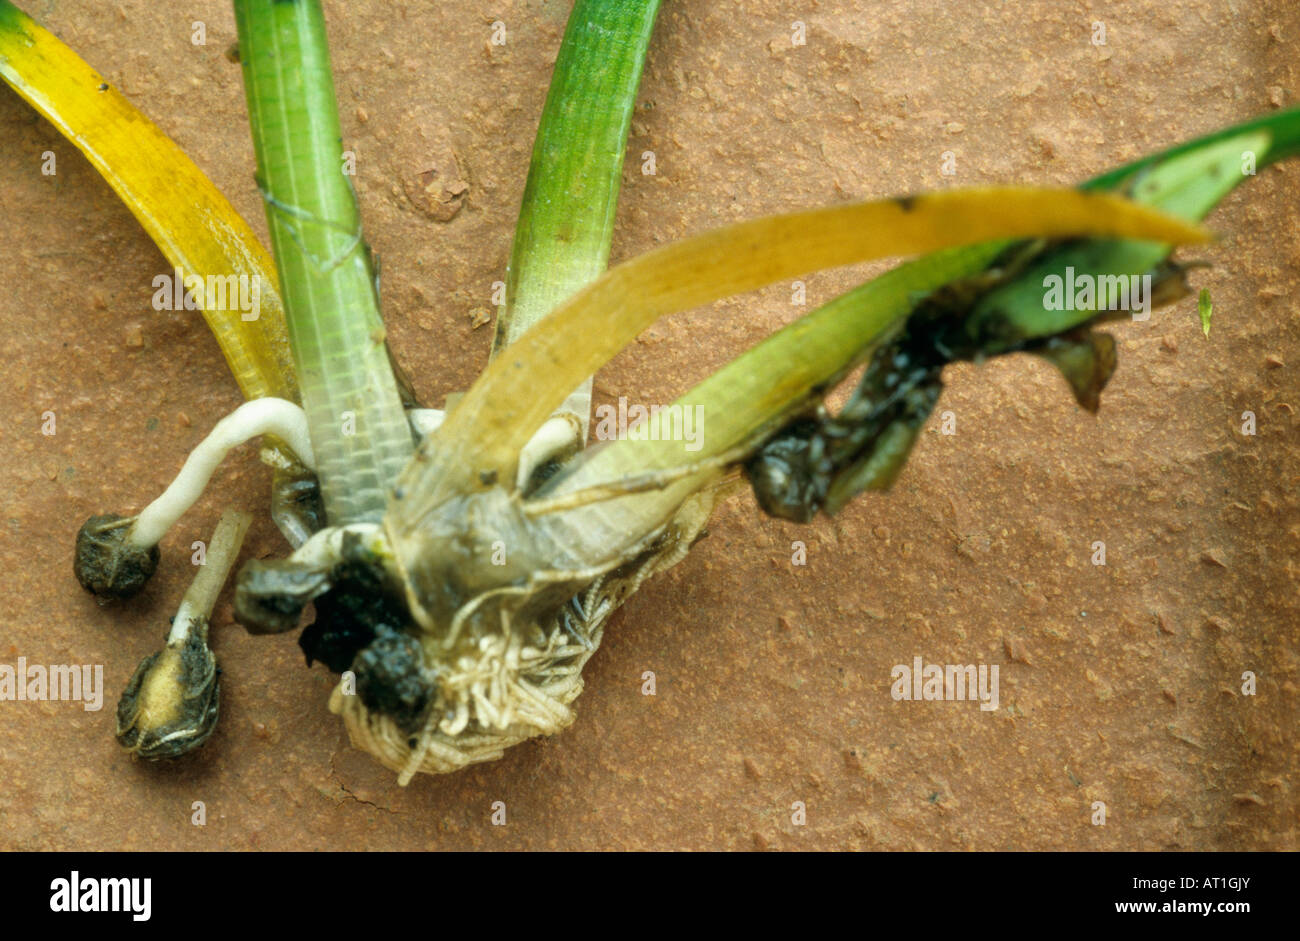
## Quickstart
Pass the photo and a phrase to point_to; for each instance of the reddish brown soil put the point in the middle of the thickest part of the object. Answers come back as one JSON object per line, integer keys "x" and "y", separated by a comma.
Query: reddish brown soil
{"x": 1120, "y": 684}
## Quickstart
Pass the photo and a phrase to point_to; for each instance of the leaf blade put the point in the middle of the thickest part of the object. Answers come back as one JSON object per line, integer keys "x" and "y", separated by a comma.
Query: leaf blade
{"x": 482, "y": 435}
{"x": 189, "y": 220}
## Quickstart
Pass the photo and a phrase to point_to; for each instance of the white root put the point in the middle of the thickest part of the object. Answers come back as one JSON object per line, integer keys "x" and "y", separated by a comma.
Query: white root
{"x": 425, "y": 421}
{"x": 268, "y": 416}
{"x": 503, "y": 690}
{"x": 561, "y": 434}
{"x": 324, "y": 549}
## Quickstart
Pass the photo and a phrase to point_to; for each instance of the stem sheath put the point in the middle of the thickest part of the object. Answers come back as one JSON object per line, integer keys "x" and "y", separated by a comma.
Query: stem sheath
{"x": 359, "y": 431}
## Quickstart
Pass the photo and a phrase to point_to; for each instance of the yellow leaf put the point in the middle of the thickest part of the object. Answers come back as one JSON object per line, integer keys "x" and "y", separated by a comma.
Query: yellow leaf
{"x": 192, "y": 223}
{"x": 481, "y": 437}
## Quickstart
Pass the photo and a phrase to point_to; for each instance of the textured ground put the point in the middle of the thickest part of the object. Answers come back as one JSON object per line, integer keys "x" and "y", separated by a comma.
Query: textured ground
{"x": 1119, "y": 684}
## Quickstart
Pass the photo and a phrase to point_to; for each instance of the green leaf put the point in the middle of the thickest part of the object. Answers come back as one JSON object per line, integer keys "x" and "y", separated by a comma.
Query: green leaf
{"x": 359, "y": 429}
{"x": 566, "y": 219}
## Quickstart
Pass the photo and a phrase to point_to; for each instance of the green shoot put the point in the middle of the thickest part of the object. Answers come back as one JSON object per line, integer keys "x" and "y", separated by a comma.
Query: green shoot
{"x": 359, "y": 430}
